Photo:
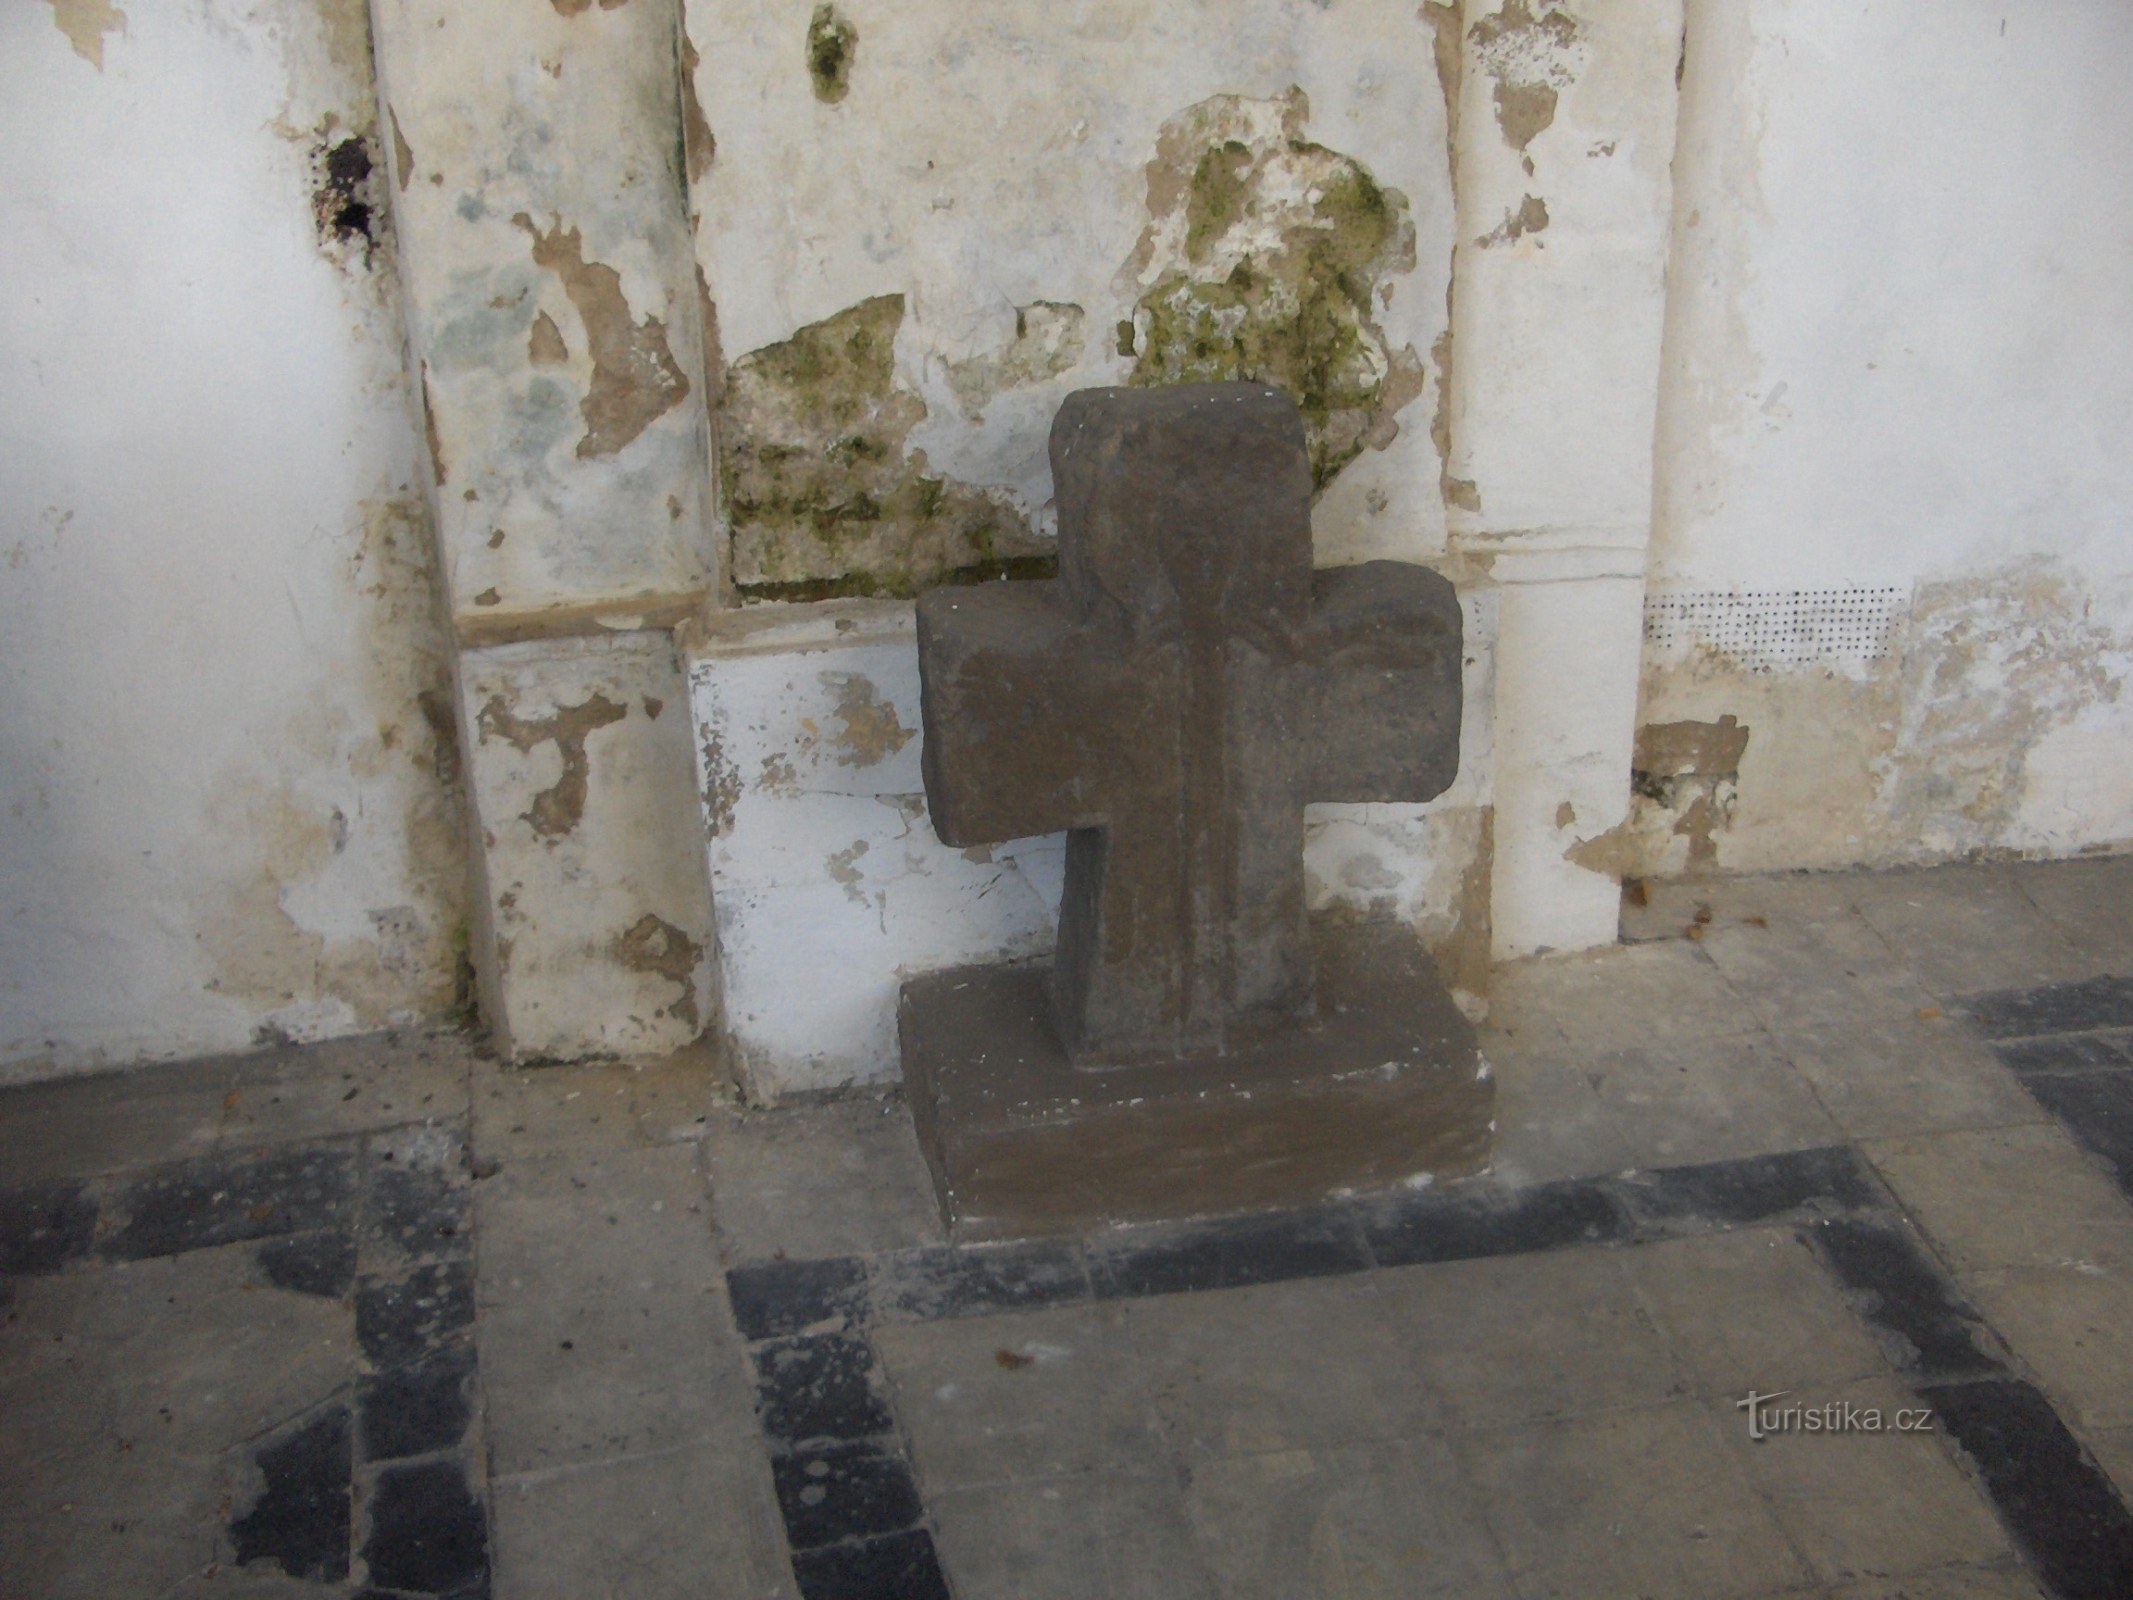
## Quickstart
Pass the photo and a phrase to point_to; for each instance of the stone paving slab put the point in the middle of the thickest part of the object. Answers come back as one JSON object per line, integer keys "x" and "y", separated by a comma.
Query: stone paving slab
{"x": 587, "y": 1329}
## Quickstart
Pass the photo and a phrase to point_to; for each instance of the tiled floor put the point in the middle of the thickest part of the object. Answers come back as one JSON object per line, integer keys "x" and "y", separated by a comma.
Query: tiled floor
{"x": 383, "y": 1318}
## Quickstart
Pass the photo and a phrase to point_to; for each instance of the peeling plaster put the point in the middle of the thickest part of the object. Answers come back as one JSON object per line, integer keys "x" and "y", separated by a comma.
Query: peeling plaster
{"x": 1264, "y": 259}
{"x": 823, "y": 496}
{"x": 654, "y": 945}
{"x": 635, "y": 378}
{"x": 1532, "y": 49}
{"x": 698, "y": 147}
{"x": 544, "y": 345}
{"x": 85, "y": 22}
{"x": 1530, "y": 217}
{"x": 558, "y": 809}
{"x": 1048, "y": 341}
{"x": 832, "y": 48}
{"x": 870, "y": 732}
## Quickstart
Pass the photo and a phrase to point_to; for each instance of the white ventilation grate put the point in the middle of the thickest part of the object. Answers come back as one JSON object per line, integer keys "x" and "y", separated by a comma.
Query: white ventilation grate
{"x": 1771, "y": 630}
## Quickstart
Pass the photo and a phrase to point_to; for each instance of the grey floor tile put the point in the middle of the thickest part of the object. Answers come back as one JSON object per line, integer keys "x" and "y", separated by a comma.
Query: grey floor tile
{"x": 1617, "y": 998}
{"x": 1862, "y": 1505}
{"x": 528, "y": 1111}
{"x": 838, "y": 1178}
{"x": 2072, "y": 1326}
{"x": 1751, "y": 1309}
{"x": 603, "y": 1328}
{"x": 585, "y": 1379}
{"x": 130, "y": 1425}
{"x": 1087, "y": 1536}
{"x": 1907, "y": 1074}
{"x": 681, "y": 1524}
{"x": 1521, "y": 1337}
{"x": 348, "y": 1086}
{"x": 1816, "y": 972}
{"x": 2113, "y": 1448}
{"x": 675, "y": 1097}
{"x": 1284, "y": 1366}
{"x": 1393, "y": 1521}
{"x": 2008, "y": 1197}
{"x": 80, "y": 1127}
{"x": 1550, "y": 1122}
{"x": 2000, "y": 1581}
{"x": 1037, "y": 1394}
{"x": 594, "y": 1218}
{"x": 1966, "y": 927}
{"x": 1650, "y": 1504}
{"x": 2090, "y": 902}
{"x": 1710, "y": 1100}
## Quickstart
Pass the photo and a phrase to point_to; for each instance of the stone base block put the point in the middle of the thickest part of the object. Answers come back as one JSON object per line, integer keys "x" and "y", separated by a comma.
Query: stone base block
{"x": 1384, "y": 1084}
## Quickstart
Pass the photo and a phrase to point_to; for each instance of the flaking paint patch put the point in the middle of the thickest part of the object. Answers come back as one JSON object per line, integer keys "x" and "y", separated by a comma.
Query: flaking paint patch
{"x": 823, "y": 496}
{"x": 722, "y": 786}
{"x": 544, "y": 345}
{"x": 1690, "y": 770}
{"x": 1613, "y": 854}
{"x": 1048, "y": 341}
{"x": 368, "y": 765}
{"x": 832, "y": 49}
{"x": 654, "y": 945}
{"x": 85, "y": 23}
{"x": 635, "y": 378}
{"x": 1531, "y": 216}
{"x": 1265, "y": 259}
{"x": 1462, "y": 950}
{"x": 560, "y": 807}
{"x": 844, "y": 869}
{"x": 403, "y": 152}
{"x": 698, "y": 147}
{"x": 868, "y": 730}
{"x": 1919, "y": 758}
{"x": 1533, "y": 50}
{"x": 1990, "y": 664}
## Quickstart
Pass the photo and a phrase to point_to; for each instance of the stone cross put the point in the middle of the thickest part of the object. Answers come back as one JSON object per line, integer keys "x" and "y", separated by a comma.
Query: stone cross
{"x": 1172, "y": 700}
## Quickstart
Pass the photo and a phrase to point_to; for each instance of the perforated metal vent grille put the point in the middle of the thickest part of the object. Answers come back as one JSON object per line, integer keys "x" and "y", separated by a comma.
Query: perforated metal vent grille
{"x": 1769, "y": 630}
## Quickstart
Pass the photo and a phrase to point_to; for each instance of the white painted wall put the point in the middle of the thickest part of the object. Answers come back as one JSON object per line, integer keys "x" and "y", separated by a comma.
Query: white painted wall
{"x": 1901, "y": 306}
{"x": 221, "y": 808}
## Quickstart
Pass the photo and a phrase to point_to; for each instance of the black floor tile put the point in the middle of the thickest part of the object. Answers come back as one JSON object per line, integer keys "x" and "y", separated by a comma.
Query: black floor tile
{"x": 844, "y": 1491}
{"x": 1924, "y": 1326}
{"x": 2060, "y": 1508}
{"x": 400, "y": 1320}
{"x": 2097, "y": 1108}
{"x": 1469, "y": 1221}
{"x": 936, "y": 1282}
{"x": 772, "y": 1299}
{"x": 2065, "y": 1052}
{"x": 900, "y": 1566}
{"x": 822, "y": 1386}
{"x": 43, "y": 1226}
{"x": 225, "y": 1199}
{"x": 2105, "y": 1002}
{"x": 414, "y": 1409}
{"x": 414, "y": 1213}
{"x": 321, "y": 1263}
{"x": 1227, "y": 1253}
{"x": 427, "y": 1532}
{"x": 301, "y": 1519}
{"x": 1728, "y": 1194}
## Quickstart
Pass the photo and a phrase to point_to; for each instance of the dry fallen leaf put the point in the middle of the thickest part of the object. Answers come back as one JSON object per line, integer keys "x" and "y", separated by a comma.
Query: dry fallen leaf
{"x": 1011, "y": 1359}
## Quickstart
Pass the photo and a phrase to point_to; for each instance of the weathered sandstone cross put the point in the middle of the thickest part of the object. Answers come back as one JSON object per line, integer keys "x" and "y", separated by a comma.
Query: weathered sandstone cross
{"x": 1173, "y": 700}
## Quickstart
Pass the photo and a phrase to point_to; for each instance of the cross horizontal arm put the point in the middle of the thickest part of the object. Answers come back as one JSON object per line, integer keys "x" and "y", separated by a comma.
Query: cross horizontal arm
{"x": 1378, "y": 686}
{"x": 1024, "y": 713}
